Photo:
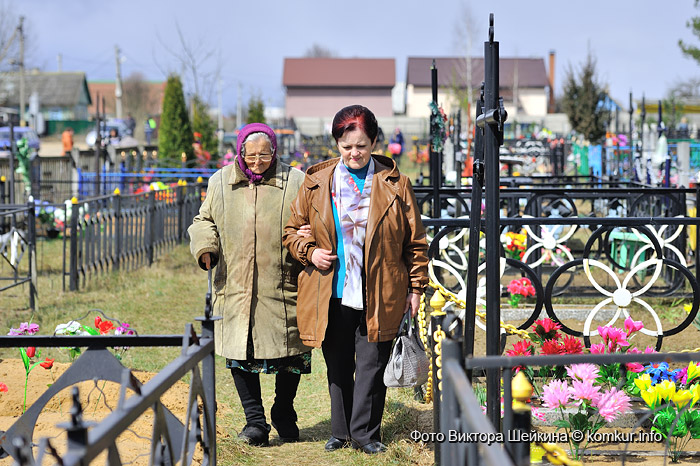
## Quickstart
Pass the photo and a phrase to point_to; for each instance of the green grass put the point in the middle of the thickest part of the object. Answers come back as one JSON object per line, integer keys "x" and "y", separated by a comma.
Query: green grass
{"x": 162, "y": 299}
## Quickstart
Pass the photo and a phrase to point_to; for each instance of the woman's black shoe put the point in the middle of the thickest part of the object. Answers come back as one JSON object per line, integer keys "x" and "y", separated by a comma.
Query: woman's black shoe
{"x": 372, "y": 448}
{"x": 335, "y": 444}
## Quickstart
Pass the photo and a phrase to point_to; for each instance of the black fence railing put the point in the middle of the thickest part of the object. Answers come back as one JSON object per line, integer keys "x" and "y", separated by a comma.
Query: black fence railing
{"x": 17, "y": 241}
{"x": 126, "y": 232}
{"x": 464, "y": 435}
{"x": 174, "y": 439}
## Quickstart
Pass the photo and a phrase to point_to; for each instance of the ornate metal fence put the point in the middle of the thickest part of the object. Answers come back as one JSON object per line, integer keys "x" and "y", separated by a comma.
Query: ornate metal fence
{"x": 17, "y": 240}
{"x": 174, "y": 440}
{"x": 126, "y": 232}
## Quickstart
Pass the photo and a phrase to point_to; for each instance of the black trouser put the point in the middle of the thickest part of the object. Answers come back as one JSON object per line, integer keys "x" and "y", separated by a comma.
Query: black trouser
{"x": 355, "y": 375}
{"x": 282, "y": 413}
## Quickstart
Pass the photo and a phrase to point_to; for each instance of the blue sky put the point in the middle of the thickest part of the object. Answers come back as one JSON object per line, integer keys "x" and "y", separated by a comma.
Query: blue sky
{"x": 634, "y": 41}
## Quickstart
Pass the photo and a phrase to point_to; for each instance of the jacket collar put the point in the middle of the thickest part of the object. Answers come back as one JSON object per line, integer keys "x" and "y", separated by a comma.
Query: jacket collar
{"x": 385, "y": 168}
{"x": 272, "y": 177}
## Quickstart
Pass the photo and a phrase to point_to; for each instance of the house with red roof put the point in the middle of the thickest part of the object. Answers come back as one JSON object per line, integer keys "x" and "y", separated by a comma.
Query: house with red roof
{"x": 319, "y": 87}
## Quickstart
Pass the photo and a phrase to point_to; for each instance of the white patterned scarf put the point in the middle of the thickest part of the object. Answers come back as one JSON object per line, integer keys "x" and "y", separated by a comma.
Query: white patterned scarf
{"x": 353, "y": 209}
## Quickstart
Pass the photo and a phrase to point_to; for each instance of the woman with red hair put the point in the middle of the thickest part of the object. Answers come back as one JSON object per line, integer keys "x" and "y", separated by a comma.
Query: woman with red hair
{"x": 365, "y": 264}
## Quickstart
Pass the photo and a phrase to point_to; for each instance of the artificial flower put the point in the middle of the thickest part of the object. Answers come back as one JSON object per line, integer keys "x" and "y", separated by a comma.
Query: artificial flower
{"x": 658, "y": 371}
{"x": 643, "y": 382}
{"x": 48, "y": 363}
{"x": 556, "y": 394}
{"x": 666, "y": 390}
{"x": 632, "y": 326}
{"x": 692, "y": 372}
{"x": 613, "y": 338}
{"x": 612, "y": 404}
{"x": 521, "y": 348}
{"x": 583, "y": 372}
{"x": 651, "y": 397}
{"x": 552, "y": 347}
{"x": 25, "y": 328}
{"x": 104, "y": 326}
{"x": 598, "y": 348}
{"x": 546, "y": 329}
{"x": 572, "y": 345}
{"x": 682, "y": 398}
{"x": 31, "y": 351}
{"x": 584, "y": 390}
{"x": 3, "y": 387}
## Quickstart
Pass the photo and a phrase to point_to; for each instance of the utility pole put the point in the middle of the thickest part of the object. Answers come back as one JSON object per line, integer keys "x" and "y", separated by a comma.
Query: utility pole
{"x": 118, "y": 84}
{"x": 59, "y": 59}
{"x": 22, "y": 96}
{"x": 220, "y": 124}
{"x": 239, "y": 108}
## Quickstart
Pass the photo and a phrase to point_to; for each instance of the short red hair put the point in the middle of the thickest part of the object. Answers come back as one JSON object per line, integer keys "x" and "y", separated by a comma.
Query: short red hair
{"x": 355, "y": 117}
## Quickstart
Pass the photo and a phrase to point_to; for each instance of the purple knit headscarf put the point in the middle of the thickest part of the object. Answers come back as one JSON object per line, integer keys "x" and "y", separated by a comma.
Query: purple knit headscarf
{"x": 242, "y": 135}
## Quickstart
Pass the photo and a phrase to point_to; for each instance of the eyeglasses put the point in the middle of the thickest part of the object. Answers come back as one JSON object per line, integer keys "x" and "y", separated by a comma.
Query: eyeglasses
{"x": 255, "y": 158}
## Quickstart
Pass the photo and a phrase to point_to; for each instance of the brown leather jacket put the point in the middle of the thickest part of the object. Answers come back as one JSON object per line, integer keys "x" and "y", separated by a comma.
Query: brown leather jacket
{"x": 395, "y": 250}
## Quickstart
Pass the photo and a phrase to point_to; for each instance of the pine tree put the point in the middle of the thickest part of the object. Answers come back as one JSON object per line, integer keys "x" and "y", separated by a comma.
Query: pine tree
{"x": 175, "y": 133}
{"x": 582, "y": 101}
{"x": 256, "y": 110}
{"x": 204, "y": 125}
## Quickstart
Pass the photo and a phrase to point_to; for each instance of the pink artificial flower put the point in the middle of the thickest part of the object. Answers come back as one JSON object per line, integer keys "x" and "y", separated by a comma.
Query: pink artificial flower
{"x": 682, "y": 375}
{"x": 584, "y": 390}
{"x": 584, "y": 372}
{"x": 613, "y": 338}
{"x": 598, "y": 348}
{"x": 635, "y": 367}
{"x": 538, "y": 414}
{"x": 632, "y": 326}
{"x": 612, "y": 404}
{"x": 556, "y": 394}
{"x": 649, "y": 349}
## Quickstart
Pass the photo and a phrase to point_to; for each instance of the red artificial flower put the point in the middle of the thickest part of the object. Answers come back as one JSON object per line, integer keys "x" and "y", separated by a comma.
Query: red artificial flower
{"x": 552, "y": 347}
{"x": 48, "y": 364}
{"x": 521, "y": 348}
{"x": 3, "y": 387}
{"x": 31, "y": 351}
{"x": 104, "y": 326}
{"x": 546, "y": 329}
{"x": 572, "y": 345}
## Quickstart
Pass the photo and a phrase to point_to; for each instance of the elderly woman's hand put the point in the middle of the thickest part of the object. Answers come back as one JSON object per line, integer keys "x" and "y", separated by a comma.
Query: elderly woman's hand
{"x": 304, "y": 231}
{"x": 206, "y": 260}
{"x": 322, "y": 258}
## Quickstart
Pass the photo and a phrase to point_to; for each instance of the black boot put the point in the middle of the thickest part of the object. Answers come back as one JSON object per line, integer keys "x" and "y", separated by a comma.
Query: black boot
{"x": 284, "y": 418}
{"x": 257, "y": 430}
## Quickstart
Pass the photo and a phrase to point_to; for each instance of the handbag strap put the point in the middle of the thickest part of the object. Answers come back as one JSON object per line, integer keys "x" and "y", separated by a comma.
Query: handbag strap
{"x": 408, "y": 324}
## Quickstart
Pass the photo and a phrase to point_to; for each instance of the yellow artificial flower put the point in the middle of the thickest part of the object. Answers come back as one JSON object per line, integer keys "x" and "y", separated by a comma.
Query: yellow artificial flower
{"x": 693, "y": 372}
{"x": 666, "y": 390}
{"x": 643, "y": 382}
{"x": 688, "y": 307}
{"x": 682, "y": 397}
{"x": 695, "y": 390}
{"x": 651, "y": 397}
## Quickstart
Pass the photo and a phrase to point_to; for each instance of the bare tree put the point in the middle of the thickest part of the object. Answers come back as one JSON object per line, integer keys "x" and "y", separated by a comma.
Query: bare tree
{"x": 319, "y": 51}
{"x": 200, "y": 65}
{"x": 466, "y": 32}
{"x": 685, "y": 88}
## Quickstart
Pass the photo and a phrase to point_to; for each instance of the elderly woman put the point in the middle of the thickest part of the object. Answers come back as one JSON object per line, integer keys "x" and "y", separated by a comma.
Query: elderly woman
{"x": 239, "y": 230}
{"x": 366, "y": 264}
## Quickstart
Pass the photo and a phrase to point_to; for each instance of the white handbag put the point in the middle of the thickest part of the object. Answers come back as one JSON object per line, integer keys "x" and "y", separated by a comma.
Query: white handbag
{"x": 408, "y": 365}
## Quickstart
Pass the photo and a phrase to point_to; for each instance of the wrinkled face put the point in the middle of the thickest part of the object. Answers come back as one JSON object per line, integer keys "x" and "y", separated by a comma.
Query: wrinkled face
{"x": 255, "y": 152}
{"x": 355, "y": 148}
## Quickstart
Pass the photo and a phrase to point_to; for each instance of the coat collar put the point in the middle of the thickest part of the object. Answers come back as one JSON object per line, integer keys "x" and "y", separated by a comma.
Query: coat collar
{"x": 384, "y": 168}
{"x": 272, "y": 177}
